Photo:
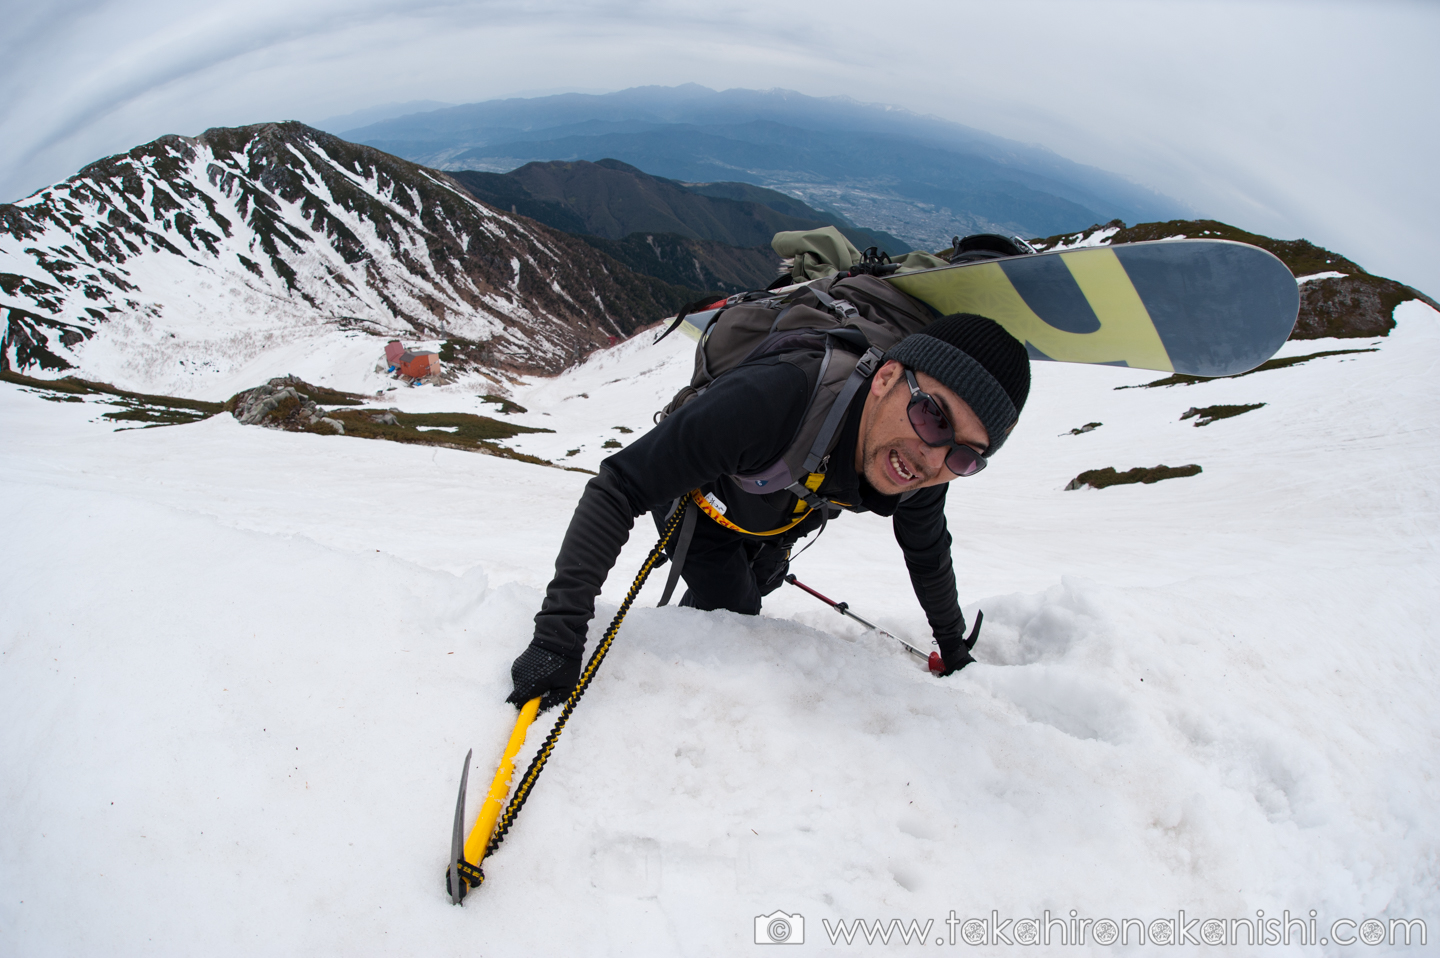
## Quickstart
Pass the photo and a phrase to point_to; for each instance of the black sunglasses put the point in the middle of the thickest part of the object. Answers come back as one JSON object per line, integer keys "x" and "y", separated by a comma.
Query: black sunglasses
{"x": 934, "y": 429}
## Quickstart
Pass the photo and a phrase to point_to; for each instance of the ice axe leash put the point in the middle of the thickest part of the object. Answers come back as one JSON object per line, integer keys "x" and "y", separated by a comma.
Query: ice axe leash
{"x": 463, "y": 872}
{"x": 932, "y": 660}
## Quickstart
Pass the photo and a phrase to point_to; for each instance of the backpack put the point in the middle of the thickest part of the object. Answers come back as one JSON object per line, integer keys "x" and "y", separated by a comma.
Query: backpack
{"x": 842, "y": 324}
{"x": 983, "y": 246}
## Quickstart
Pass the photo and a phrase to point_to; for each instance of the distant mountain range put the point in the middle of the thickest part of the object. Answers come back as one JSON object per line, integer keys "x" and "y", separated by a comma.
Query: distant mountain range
{"x": 375, "y": 114}
{"x": 709, "y": 236}
{"x": 917, "y": 177}
{"x": 198, "y": 266}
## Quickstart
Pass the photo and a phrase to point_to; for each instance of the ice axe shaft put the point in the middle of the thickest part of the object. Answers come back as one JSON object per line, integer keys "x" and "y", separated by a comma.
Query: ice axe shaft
{"x": 932, "y": 659}
{"x": 479, "y": 839}
{"x": 463, "y": 871}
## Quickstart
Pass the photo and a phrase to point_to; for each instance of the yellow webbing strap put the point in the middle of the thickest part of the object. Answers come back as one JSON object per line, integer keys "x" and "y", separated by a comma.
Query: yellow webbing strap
{"x": 812, "y": 482}
{"x": 718, "y": 516}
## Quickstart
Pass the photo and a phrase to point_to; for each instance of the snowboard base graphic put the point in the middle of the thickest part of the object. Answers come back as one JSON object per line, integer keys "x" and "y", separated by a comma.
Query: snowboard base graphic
{"x": 1199, "y": 307}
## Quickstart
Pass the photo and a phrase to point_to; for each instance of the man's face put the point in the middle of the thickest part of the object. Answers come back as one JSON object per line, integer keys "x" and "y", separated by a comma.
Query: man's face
{"x": 890, "y": 456}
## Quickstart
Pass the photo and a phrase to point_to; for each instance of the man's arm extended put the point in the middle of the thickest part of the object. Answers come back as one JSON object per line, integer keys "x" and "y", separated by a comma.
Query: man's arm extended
{"x": 923, "y": 536}
{"x": 740, "y": 424}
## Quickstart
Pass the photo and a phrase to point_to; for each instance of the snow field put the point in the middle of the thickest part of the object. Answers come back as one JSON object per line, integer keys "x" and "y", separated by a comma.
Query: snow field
{"x": 1212, "y": 693}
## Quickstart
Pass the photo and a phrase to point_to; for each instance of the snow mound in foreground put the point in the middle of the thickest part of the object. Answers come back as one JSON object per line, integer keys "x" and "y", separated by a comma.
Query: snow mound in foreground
{"x": 241, "y": 669}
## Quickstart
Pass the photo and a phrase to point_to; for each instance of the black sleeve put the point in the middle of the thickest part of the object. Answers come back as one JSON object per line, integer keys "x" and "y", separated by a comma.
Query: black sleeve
{"x": 740, "y": 424}
{"x": 921, "y": 531}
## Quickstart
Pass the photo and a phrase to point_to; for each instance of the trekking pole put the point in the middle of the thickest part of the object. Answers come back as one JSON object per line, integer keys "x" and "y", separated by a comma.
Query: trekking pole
{"x": 932, "y": 660}
{"x": 462, "y": 874}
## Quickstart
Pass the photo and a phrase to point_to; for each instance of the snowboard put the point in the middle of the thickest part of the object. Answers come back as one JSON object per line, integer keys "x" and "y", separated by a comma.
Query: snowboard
{"x": 1198, "y": 307}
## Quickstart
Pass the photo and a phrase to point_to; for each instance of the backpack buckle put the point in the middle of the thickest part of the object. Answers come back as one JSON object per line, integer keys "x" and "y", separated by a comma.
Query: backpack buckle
{"x": 869, "y": 362}
{"x": 836, "y": 306}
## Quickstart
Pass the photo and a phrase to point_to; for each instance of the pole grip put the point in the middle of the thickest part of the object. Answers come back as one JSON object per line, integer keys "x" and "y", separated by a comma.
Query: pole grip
{"x": 802, "y": 586}
{"x": 494, "y": 802}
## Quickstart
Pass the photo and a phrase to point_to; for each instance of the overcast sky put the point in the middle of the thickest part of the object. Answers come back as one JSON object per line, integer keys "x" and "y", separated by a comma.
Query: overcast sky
{"x": 1306, "y": 119}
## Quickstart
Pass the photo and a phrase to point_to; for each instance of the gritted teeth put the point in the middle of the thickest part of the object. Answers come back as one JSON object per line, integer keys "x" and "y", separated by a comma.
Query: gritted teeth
{"x": 899, "y": 465}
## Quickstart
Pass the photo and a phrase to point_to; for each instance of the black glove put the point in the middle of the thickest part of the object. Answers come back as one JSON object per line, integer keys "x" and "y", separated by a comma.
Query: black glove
{"x": 955, "y": 649}
{"x": 541, "y": 672}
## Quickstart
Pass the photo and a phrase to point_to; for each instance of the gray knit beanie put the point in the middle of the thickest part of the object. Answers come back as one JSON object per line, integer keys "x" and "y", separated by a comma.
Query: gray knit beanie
{"x": 979, "y": 361}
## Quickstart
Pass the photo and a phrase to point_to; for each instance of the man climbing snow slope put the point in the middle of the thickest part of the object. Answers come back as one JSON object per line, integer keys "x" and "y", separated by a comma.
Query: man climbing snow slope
{"x": 937, "y": 407}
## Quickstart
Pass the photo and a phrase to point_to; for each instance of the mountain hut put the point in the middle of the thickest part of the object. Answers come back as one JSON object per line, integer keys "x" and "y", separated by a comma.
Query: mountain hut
{"x": 417, "y": 364}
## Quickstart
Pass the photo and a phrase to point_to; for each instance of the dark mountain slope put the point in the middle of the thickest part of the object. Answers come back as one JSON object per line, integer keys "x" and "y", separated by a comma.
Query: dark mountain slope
{"x": 715, "y": 236}
{"x": 692, "y": 263}
{"x": 614, "y": 199}
{"x": 777, "y": 201}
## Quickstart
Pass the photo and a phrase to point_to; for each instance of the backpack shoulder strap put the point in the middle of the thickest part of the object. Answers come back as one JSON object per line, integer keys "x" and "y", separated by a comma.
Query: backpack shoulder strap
{"x": 819, "y": 450}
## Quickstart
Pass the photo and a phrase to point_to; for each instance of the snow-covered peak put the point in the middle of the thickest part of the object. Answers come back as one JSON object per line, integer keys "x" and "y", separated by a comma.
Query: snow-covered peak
{"x": 178, "y": 265}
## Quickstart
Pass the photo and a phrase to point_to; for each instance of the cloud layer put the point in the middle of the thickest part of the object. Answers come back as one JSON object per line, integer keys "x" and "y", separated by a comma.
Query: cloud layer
{"x": 1291, "y": 119}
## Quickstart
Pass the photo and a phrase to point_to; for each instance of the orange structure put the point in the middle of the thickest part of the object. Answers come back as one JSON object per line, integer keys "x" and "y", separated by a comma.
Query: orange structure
{"x": 419, "y": 364}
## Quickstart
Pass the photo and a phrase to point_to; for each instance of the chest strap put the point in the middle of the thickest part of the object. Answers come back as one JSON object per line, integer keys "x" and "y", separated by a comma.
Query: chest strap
{"x": 706, "y": 507}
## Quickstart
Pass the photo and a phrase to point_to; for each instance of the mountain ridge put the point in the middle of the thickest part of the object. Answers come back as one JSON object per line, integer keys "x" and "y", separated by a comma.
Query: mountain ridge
{"x": 192, "y": 265}
{"x": 243, "y": 237}
{"x": 613, "y": 199}
{"x": 708, "y": 236}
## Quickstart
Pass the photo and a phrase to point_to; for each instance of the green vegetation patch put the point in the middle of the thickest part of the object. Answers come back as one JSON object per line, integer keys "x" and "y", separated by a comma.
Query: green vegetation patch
{"x": 153, "y": 415}
{"x": 1303, "y": 257}
{"x": 506, "y": 406}
{"x": 610, "y": 444}
{"x": 1181, "y": 379}
{"x": 322, "y": 395}
{"x": 334, "y": 397}
{"x": 1088, "y": 427}
{"x": 1100, "y": 478}
{"x": 1204, "y": 416}
{"x": 145, "y": 409}
{"x": 71, "y": 384}
{"x": 454, "y": 430}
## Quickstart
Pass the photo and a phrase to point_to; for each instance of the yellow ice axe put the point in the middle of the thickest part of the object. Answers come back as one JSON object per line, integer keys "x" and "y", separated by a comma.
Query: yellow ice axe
{"x": 464, "y": 872}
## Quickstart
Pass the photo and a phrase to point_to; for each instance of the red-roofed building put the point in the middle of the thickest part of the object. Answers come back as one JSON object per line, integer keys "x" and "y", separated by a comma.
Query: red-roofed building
{"x": 418, "y": 364}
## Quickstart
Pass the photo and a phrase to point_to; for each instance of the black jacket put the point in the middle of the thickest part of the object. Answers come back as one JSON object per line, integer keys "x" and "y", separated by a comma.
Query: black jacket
{"x": 740, "y": 425}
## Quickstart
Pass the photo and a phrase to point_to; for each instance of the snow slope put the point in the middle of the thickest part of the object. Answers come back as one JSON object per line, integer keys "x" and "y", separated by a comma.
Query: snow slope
{"x": 239, "y": 669}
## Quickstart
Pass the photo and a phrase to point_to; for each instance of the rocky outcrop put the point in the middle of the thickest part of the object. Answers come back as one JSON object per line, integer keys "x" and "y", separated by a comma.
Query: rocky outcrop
{"x": 281, "y": 405}
{"x": 1350, "y": 306}
{"x": 294, "y": 405}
